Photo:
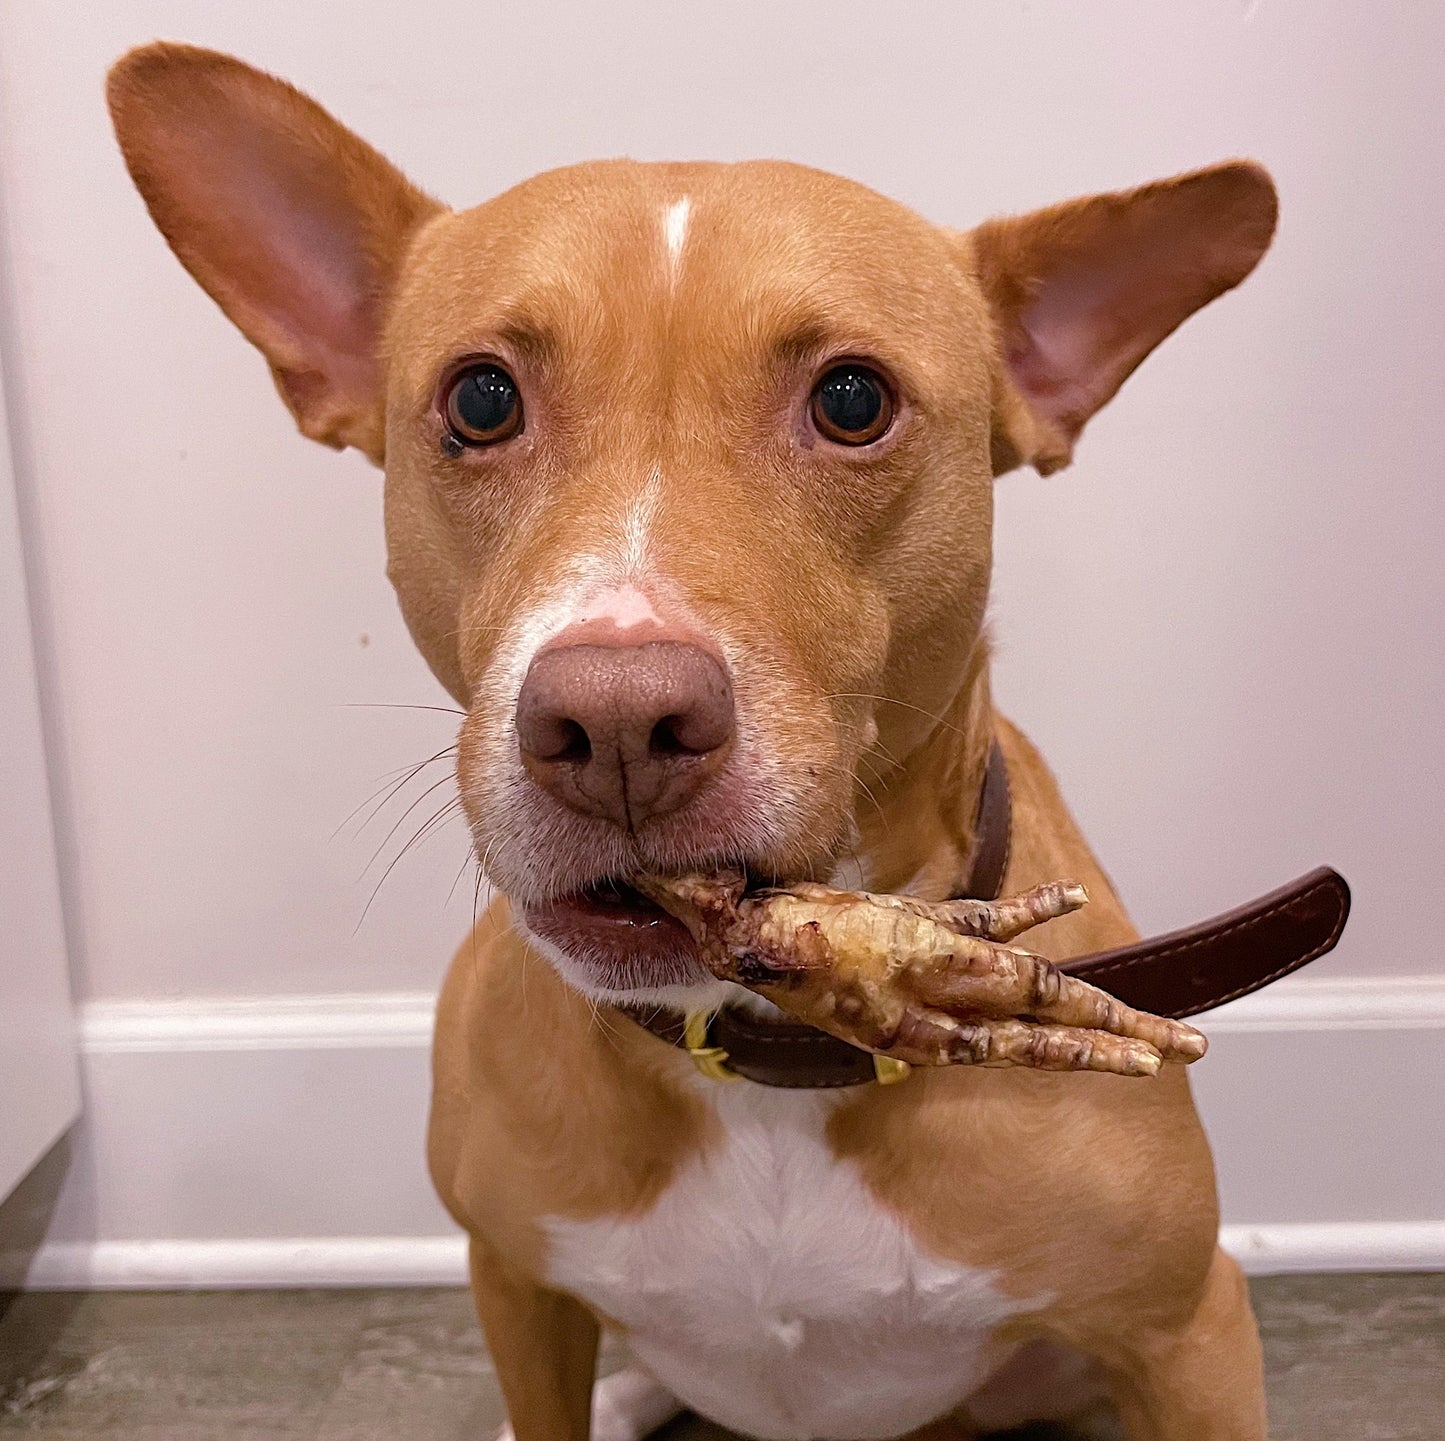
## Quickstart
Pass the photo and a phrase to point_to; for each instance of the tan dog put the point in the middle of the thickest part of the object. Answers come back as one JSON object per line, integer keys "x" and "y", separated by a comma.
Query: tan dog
{"x": 688, "y": 503}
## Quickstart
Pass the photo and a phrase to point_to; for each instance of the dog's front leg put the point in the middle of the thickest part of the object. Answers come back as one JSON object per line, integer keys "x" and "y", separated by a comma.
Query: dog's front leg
{"x": 1202, "y": 1381}
{"x": 543, "y": 1346}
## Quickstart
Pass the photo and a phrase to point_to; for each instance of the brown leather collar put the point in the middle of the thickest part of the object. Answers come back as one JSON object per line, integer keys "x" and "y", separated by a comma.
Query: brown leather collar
{"x": 993, "y": 830}
{"x": 1177, "y": 974}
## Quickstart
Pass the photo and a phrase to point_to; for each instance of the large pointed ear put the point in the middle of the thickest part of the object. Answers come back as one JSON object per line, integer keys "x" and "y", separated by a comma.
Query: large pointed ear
{"x": 1082, "y": 292}
{"x": 295, "y": 227}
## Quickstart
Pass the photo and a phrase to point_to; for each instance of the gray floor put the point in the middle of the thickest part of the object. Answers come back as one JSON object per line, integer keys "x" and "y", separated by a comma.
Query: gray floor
{"x": 1351, "y": 1358}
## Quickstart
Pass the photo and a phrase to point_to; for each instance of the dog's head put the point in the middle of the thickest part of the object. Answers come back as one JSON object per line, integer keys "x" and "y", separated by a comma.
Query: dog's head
{"x": 688, "y": 467}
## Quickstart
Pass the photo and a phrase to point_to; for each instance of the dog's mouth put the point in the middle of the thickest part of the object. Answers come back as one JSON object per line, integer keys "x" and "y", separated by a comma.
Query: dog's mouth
{"x": 612, "y": 938}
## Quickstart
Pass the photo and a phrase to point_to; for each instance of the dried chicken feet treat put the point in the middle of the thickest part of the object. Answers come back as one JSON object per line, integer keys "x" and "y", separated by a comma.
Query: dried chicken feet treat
{"x": 930, "y": 983}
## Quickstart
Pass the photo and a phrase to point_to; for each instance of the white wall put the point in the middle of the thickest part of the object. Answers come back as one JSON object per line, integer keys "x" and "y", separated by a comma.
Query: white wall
{"x": 231, "y": 1143}
{"x": 39, "y": 1079}
{"x": 1247, "y": 554}
{"x": 1246, "y": 560}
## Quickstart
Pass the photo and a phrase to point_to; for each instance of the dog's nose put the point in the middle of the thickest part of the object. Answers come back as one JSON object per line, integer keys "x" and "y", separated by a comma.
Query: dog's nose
{"x": 625, "y": 732}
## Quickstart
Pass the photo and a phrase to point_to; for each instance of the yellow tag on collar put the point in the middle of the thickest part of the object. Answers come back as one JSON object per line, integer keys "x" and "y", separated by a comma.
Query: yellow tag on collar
{"x": 710, "y": 1060}
{"x": 888, "y": 1072}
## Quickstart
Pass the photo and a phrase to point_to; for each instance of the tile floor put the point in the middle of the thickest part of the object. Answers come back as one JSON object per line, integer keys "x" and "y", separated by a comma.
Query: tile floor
{"x": 1351, "y": 1358}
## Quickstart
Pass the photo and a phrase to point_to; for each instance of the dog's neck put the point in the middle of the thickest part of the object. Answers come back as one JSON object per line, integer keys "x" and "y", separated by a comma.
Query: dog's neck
{"x": 916, "y": 828}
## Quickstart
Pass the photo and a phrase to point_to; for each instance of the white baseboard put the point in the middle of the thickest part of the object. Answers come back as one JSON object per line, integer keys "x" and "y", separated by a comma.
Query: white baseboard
{"x": 369, "y": 1021}
{"x": 218, "y": 1132}
{"x": 1302, "y": 1003}
{"x": 1337, "y": 1246}
{"x": 333, "y": 1261}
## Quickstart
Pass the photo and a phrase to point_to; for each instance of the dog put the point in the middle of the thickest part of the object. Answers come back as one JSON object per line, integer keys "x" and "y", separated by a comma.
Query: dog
{"x": 688, "y": 504}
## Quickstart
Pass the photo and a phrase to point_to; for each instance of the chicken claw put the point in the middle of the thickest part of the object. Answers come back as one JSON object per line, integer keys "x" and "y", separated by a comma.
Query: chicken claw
{"x": 932, "y": 983}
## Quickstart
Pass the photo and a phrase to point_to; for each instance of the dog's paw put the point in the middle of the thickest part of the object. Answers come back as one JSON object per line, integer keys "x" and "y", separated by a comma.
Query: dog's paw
{"x": 628, "y": 1405}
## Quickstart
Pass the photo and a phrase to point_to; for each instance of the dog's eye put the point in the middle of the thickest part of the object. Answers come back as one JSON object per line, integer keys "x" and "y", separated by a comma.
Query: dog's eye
{"x": 483, "y": 406}
{"x": 852, "y": 405}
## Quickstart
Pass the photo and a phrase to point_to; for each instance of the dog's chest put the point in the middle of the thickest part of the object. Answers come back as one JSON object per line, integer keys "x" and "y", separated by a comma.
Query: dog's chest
{"x": 771, "y": 1292}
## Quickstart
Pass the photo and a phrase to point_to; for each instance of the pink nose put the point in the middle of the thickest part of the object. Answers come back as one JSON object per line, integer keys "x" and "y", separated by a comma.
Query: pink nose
{"x": 625, "y": 732}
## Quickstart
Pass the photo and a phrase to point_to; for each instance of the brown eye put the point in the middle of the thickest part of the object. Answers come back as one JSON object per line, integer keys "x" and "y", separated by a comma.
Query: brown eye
{"x": 852, "y": 405}
{"x": 483, "y": 406}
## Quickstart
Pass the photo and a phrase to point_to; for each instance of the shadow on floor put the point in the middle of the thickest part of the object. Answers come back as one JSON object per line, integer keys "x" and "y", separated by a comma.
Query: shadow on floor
{"x": 31, "y": 1341}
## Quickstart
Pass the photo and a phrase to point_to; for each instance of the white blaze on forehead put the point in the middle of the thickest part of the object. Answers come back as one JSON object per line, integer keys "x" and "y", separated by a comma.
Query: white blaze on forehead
{"x": 674, "y": 228}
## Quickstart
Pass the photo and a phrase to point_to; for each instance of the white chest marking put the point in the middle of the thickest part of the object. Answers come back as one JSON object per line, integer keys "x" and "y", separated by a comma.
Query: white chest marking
{"x": 771, "y": 1292}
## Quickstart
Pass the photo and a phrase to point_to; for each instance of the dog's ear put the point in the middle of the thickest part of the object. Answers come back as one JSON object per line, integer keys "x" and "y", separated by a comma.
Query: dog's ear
{"x": 293, "y": 225}
{"x": 1083, "y": 291}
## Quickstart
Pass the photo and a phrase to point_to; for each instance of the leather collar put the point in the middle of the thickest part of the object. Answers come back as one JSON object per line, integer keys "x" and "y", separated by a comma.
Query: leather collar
{"x": 1178, "y": 974}
{"x": 993, "y": 830}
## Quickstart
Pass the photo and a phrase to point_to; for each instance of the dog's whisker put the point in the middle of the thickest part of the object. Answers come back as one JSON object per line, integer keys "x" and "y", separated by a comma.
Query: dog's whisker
{"x": 857, "y": 861}
{"x": 472, "y": 934}
{"x": 607, "y": 1029}
{"x": 436, "y": 821}
{"x": 596, "y": 1023}
{"x": 400, "y": 705}
{"x": 874, "y": 745}
{"x": 877, "y": 805}
{"x": 493, "y": 845}
{"x": 890, "y": 700}
{"x": 461, "y": 871}
{"x": 832, "y": 768}
{"x": 401, "y": 819}
{"x": 873, "y": 770}
{"x": 440, "y": 817}
{"x": 391, "y": 787}
{"x": 887, "y": 754}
